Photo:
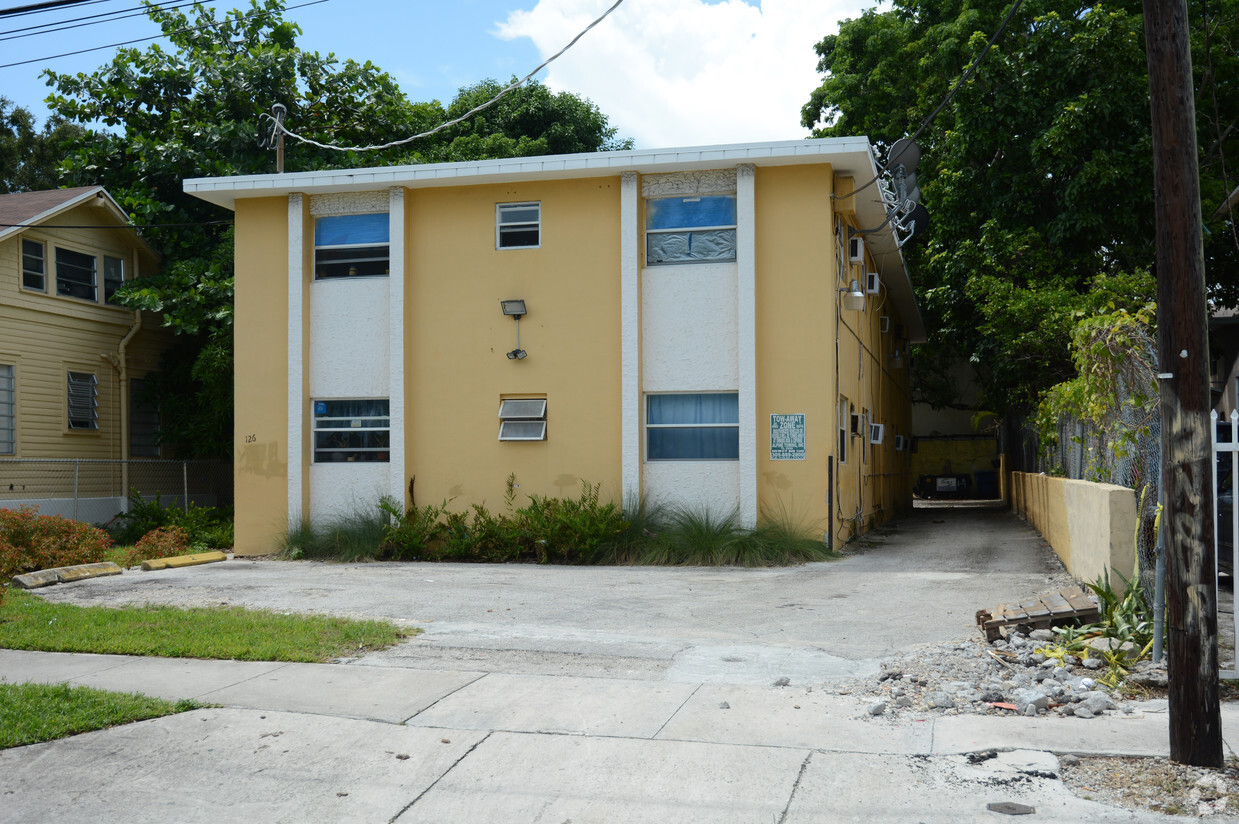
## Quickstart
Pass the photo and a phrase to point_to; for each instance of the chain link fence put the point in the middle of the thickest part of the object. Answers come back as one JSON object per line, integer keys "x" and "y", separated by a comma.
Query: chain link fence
{"x": 96, "y": 491}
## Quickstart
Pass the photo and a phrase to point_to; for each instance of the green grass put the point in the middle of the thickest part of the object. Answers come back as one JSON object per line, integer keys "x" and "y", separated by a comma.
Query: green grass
{"x": 356, "y": 536}
{"x": 29, "y": 622}
{"x": 30, "y": 713}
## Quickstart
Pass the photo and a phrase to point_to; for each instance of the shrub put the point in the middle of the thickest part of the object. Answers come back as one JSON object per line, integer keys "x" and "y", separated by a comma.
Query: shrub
{"x": 206, "y": 527}
{"x": 30, "y": 541}
{"x": 163, "y": 542}
{"x": 353, "y": 537}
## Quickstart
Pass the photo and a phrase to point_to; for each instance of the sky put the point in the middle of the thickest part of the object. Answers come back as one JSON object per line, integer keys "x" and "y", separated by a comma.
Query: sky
{"x": 666, "y": 72}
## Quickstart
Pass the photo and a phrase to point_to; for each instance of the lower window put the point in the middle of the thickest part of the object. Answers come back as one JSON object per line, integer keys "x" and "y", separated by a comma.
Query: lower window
{"x": 8, "y": 411}
{"x": 693, "y": 427}
{"x": 352, "y": 430}
{"x": 83, "y": 400}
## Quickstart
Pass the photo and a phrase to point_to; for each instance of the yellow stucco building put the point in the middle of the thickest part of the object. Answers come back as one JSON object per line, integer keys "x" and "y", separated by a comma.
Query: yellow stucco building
{"x": 708, "y": 327}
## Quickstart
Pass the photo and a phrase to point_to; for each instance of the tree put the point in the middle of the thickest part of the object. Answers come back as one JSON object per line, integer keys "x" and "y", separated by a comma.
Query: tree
{"x": 30, "y": 157}
{"x": 1037, "y": 174}
{"x": 197, "y": 110}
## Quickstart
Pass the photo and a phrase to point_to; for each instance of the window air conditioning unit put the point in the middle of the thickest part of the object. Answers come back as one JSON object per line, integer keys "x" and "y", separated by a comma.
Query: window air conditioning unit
{"x": 876, "y": 432}
{"x": 901, "y": 443}
{"x": 873, "y": 284}
{"x": 856, "y": 250}
{"x": 855, "y": 424}
{"x": 885, "y": 322}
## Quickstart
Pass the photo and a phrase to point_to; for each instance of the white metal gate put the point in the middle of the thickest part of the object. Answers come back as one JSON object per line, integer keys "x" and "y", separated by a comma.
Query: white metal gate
{"x": 1225, "y": 440}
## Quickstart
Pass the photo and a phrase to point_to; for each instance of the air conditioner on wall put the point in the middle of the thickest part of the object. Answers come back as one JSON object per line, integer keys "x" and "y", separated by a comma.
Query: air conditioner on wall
{"x": 856, "y": 250}
{"x": 885, "y": 322}
{"x": 876, "y": 432}
{"x": 900, "y": 443}
{"x": 873, "y": 284}
{"x": 855, "y": 424}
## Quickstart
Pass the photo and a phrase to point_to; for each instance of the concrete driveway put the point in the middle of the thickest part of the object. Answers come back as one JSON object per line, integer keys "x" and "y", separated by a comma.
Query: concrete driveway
{"x": 919, "y": 580}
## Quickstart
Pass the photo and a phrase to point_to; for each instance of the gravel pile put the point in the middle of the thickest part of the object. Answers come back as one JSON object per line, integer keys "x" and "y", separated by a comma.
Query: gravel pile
{"x": 1006, "y": 677}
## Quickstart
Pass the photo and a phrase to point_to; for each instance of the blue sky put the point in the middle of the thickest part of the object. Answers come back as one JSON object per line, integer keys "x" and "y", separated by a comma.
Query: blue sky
{"x": 667, "y": 72}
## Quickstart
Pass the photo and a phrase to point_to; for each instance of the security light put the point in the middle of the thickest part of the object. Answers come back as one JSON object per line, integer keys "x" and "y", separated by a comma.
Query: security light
{"x": 853, "y": 297}
{"x": 515, "y": 309}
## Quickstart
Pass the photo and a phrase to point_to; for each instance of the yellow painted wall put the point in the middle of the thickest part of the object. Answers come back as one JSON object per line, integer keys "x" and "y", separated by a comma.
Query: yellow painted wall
{"x": 795, "y": 341}
{"x": 1091, "y": 526}
{"x": 260, "y": 420}
{"x": 45, "y": 335}
{"x": 456, "y": 337}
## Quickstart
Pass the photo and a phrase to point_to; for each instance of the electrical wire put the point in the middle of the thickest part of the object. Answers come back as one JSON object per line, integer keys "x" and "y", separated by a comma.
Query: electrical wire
{"x": 22, "y": 11}
{"x": 211, "y": 25}
{"x": 118, "y": 225}
{"x": 89, "y": 20}
{"x": 282, "y": 128}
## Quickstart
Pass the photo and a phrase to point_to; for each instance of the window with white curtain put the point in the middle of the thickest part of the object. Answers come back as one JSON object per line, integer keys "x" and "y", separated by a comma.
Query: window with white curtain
{"x": 352, "y": 430}
{"x": 703, "y": 426}
{"x": 351, "y": 246}
{"x": 697, "y": 229}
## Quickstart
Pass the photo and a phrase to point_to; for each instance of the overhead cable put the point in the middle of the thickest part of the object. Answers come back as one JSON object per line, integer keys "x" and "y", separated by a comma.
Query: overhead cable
{"x": 89, "y": 20}
{"x": 514, "y": 84}
{"x": 211, "y": 25}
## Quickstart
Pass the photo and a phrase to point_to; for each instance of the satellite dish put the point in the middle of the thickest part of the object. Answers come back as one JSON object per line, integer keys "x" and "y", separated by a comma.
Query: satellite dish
{"x": 917, "y": 222}
{"x": 904, "y": 151}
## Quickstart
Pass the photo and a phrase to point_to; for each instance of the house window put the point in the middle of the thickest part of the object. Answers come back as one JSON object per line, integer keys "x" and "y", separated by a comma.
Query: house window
{"x": 697, "y": 427}
{"x": 522, "y": 419}
{"x": 518, "y": 225}
{"x": 690, "y": 229}
{"x": 352, "y": 430}
{"x": 845, "y": 415}
{"x": 83, "y": 400}
{"x": 351, "y": 246}
{"x": 75, "y": 275}
{"x": 34, "y": 265}
{"x": 8, "y": 410}
{"x": 113, "y": 276}
{"x": 143, "y": 421}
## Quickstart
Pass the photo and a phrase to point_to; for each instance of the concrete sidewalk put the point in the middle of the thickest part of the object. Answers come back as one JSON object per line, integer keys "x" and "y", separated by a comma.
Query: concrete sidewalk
{"x": 358, "y": 743}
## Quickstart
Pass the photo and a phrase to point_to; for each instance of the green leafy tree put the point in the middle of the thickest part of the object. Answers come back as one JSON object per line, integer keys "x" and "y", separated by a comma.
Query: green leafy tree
{"x": 197, "y": 110}
{"x": 29, "y": 156}
{"x": 1037, "y": 174}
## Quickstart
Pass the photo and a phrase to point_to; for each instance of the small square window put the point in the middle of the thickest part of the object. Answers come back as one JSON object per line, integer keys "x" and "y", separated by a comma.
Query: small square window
{"x": 518, "y": 225}
{"x": 83, "y": 400}
{"x": 113, "y": 276}
{"x": 352, "y": 430}
{"x": 34, "y": 265}
{"x": 522, "y": 419}
{"x": 352, "y": 246}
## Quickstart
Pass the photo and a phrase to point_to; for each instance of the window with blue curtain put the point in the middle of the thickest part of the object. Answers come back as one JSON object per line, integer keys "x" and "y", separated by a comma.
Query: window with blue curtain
{"x": 690, "y": 229}
{"x": 351, "y": 246}
{"x": 693, "y": 427}
{"x": 352, "y": 430}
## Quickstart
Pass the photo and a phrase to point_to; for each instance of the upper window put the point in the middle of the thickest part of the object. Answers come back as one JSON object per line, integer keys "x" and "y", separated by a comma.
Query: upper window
{"x": 75, "y": 274}
{"x": 113, "y": 276}
{"x": 523, "y": 419}
{"x": 352, "y": 430}
{"x": 697, "y": 427}
{"x": 690, "y": 229}
{"x": 518, "y": 225}
{"x": 34, "y": 265}
{"x": 351, "y": 246}
{"x": 8, "y": 411}
{"x": 83, "y": 401}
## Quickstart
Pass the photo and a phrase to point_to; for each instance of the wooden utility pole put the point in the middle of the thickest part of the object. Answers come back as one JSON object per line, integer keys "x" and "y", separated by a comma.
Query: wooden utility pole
{"x": 1183, "y": 351}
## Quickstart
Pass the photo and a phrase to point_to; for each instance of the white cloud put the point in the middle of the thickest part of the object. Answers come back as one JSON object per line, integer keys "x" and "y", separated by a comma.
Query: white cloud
{"x": 687, "y": 72}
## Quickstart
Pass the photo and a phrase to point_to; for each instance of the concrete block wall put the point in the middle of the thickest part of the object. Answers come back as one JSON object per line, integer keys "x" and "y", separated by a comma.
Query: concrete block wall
{"x": 1091, "y": 526}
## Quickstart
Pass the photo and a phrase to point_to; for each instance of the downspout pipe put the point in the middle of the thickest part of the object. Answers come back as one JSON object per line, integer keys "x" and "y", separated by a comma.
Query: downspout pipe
{"x": 120, "y": 362}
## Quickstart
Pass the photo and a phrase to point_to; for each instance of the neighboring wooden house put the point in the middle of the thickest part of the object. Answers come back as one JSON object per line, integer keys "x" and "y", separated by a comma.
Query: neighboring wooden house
{"x": 709, "y": 327}
{"x": 71, "y": 361}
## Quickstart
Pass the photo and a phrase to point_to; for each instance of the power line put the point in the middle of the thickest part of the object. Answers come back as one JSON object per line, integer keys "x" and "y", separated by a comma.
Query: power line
{"x": 118, "y": 225}
{"x": 279, "y": 126}
{"x": 89, "y": 20}
{"x": 18, "y": 11}
{"x": 213, "y": 24}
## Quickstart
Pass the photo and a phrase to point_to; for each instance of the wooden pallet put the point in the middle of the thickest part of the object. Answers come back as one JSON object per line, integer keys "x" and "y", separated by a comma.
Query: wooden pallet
{"x": 1042, "y": 612}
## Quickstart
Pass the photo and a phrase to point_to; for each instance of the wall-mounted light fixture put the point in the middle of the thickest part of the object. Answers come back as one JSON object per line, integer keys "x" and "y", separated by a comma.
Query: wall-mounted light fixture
{"x": 516, "y": 309}
{"x": 853, "y": 297}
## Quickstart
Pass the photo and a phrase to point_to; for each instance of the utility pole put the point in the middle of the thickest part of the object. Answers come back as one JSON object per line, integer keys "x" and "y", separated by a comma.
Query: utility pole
{"x": 1183, "y": 352}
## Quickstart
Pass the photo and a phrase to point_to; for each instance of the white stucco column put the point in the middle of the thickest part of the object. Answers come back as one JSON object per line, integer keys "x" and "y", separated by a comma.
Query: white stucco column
{"x": 395, "y": 347}
{"x": 296, "y": 357}
{"x": 746, "y": 323}
{"x": 630, "y": 338}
